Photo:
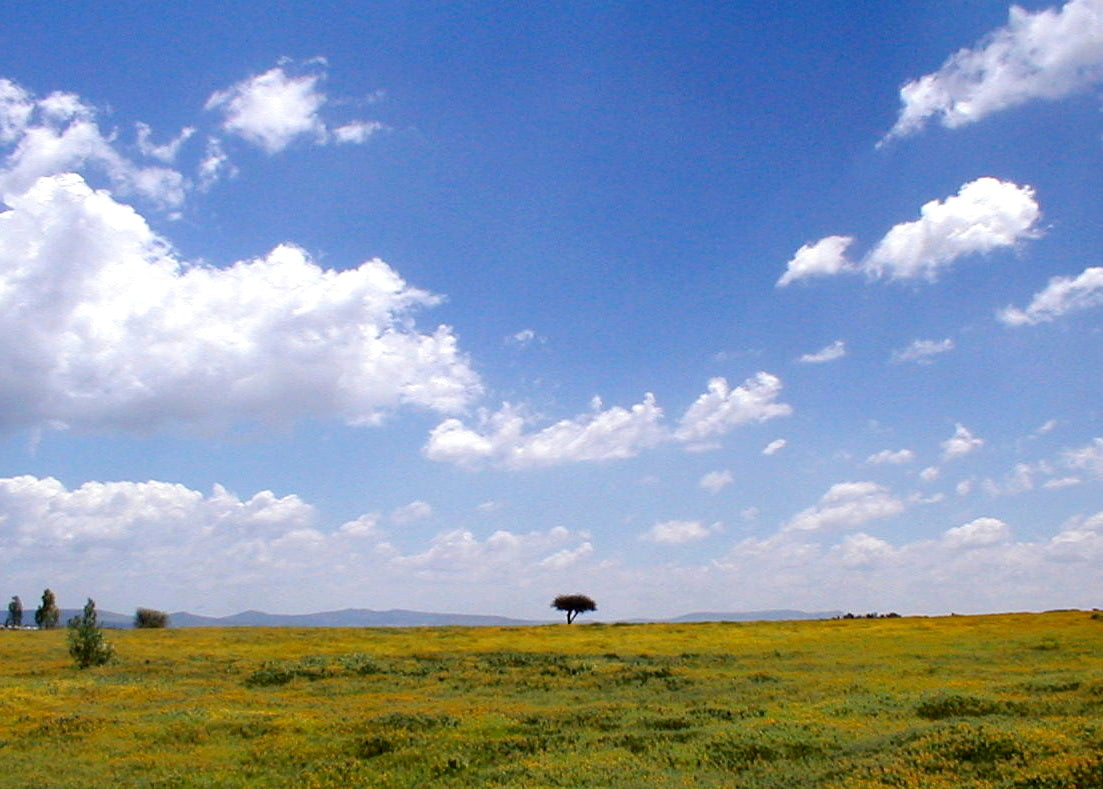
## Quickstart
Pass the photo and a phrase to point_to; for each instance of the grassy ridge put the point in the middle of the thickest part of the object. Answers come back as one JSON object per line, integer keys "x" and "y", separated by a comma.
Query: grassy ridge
{"x": 995, "y": 701}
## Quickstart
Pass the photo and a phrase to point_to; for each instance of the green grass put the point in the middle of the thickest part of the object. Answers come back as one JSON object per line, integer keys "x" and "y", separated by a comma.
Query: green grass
{"x": 994, "y": 701}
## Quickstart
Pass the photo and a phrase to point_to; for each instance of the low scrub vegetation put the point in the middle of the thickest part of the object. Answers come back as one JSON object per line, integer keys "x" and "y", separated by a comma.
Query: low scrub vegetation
{"x": 885, "y": 702}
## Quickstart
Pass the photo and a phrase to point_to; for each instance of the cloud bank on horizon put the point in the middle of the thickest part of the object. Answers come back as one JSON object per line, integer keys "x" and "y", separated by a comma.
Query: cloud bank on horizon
{"x": 426, "y": 462}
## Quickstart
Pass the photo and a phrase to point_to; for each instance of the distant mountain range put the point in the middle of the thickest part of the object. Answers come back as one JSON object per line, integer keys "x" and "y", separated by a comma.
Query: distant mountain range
{"x": 397, "y": 617}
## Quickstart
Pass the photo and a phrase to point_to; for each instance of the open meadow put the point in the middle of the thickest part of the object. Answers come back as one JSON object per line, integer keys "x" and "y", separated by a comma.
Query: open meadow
{"x": 1013, "y": 700}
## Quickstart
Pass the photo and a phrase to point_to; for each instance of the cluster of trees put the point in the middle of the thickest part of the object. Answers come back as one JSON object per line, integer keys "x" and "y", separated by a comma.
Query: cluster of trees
{"x": 87, "y": 645}
{"x": 45, "y": 616}
{"x": 872, "y": 615}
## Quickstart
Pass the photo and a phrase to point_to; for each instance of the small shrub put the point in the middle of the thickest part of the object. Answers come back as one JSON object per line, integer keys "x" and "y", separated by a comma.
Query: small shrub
{"x": 361, "y": 665}
{"x": 86, "y": 642}
{"x": 371, "y": 747}
{"x": 150, "y": 618}
{"x": 416, "y": 721}
{"x": 273, "y": 673}
{"x": 269, "y": 675}
{"x": 955, "y": 705}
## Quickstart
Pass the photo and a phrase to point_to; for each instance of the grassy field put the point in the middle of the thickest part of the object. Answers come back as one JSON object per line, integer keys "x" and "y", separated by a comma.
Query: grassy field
{"x": 993, "y": 701}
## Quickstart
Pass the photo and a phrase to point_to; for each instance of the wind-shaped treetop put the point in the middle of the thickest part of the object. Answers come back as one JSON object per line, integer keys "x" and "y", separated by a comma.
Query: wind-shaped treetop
{"x": 573, "y": 604}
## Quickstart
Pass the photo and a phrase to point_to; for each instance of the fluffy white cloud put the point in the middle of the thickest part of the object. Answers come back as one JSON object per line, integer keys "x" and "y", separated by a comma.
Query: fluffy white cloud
{"x": 962, "y": 442}
{"x": 891, "y": 457}
{"x": 676, "y": 532}
{"x": 715, "y": 481}
{"x": 845, "y": 505}
{"x": 220, "y": 553}
{"x": 985, "y": 215}
{"x": 274, "y": 109}
{"x": 610, "y": 434}
{"x": 1045, "y": 55}
{"x": 103, "y": 326}
{"x": 830, "y": 353}
{"x": 59, "y": 133}
{"x": 184, "y": 549}
{"x": 977, "y": 533}
{"x": 821, "y": 259}
{"x": 921, "y": 351}
{"x": 723, "y": 408}
{"x": 930, "y": 473}
{"x": 1060, "y": 296}
{"x": 774, "y": 446}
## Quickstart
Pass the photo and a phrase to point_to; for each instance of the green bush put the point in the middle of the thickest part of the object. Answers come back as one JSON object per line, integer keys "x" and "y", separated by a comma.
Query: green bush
{"x": 956, "y": 705}
{"x": 149, "y": 617}
{"x": 86, "y": 642}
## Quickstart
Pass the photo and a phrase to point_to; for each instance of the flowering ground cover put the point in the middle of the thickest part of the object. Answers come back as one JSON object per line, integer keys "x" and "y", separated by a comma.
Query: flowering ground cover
{"x": 1013, "y": 700}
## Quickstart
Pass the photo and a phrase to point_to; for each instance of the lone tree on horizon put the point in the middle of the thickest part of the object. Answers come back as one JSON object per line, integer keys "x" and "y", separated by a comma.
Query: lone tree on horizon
{"x": 573, "y": 604}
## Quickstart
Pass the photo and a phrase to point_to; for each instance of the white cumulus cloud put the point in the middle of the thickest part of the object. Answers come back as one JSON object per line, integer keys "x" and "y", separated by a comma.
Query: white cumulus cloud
{"x": 1049, "y": 54}
{"x": 614, "y": 433}
{"x": 962, "y": 442}
{"x": 274, "y": 109}
{"x": 59, "y": 133}
{"x": 723, "y": 408}
{"x": 103, "y": 326}
{"x": 821, "y": 259}
{"x": 847, "y": 504}
{"x": 1062, "y": 295}
{"x": 985, "y": 215}
{"x": 977, "y": 533}
{"x": 185, "y": 549}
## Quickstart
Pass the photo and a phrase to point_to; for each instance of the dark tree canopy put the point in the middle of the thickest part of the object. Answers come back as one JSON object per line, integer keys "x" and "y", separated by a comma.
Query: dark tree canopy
{"x": 46, "y": 615}
{"x": 15, "y": 612}
{"x": 150, "y": 617}
{"x": 573, "y": 604}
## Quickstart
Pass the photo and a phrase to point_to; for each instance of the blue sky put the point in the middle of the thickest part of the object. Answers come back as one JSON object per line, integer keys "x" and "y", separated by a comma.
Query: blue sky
{"x": 685, "y": 306}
